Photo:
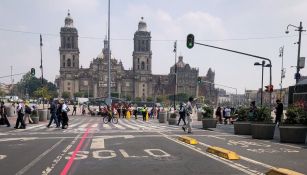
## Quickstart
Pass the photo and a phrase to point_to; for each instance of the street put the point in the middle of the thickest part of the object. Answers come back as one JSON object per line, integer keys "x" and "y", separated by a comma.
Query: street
{"x": 135, "y": 147}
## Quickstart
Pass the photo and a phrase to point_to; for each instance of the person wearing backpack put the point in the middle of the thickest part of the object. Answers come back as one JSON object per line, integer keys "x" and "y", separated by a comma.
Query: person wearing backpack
{"x": 53, "y": 111}
{"x": 28, "y": 112}
{"x": 20, "y": 114}
{"x": 181, "y": 114}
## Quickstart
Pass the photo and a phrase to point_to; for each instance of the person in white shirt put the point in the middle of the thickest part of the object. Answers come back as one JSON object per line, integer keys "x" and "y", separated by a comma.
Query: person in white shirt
{"x": 189, "y": 111}
{"x": 20, "y": 114}
{"x": 65, "y": 119}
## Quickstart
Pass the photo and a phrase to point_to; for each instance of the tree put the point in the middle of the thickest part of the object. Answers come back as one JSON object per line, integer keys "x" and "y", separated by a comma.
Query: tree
{"x": 30, "y": 84}
{"x": 115, "y": 94}
{"x": 78, "y": 94}
{"x": 65, "y": 95}
{"x": 137, "y": 99}
{"x": 42, "y": 92}
{"x": 149, "y": 99}
{"x": 2, "y": 93}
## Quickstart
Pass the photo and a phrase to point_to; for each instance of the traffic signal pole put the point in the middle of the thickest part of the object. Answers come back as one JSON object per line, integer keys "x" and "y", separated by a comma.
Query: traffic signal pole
{"x": 242, "y": 53}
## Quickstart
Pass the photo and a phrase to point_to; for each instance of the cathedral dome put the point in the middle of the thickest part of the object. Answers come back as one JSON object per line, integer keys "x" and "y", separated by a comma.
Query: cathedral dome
{"x": 142, "y": 25}
{"x": 69, "y": 21}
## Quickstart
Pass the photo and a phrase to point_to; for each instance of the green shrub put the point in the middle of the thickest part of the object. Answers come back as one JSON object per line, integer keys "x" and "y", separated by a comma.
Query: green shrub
{"x": 296, "y": 115}
{"x": 263, "y": 114}
{"x": 208, "y": 112}
{"x": 242, "y": 113}
{"x": 173, "y": 115}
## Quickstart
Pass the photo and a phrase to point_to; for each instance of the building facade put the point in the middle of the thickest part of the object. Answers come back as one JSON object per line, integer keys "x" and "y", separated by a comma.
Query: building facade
{"x": 139, "y": 82}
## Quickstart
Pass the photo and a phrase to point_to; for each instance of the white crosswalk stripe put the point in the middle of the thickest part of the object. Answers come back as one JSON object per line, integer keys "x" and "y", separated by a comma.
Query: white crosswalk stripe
{"x": 95, "y": 124}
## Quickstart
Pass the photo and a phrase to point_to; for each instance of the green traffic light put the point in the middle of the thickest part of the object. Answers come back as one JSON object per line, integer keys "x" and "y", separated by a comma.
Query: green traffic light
{"x": 32, "y": 71}
{"x": 190, "y": 41}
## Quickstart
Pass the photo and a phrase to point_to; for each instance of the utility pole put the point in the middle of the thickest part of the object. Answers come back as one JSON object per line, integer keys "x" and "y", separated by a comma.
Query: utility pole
{"x": 41, "y": 66}
{"x": 109, "y": 100}
{"x": 175, "y": 73}
{"x": 263, "y": 63}
{"x": 300, "y": 30}
{"x": 281, "y": 54}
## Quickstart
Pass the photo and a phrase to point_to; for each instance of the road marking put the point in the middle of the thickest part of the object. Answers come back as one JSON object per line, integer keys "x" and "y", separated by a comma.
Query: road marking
{"x": 33, "y": 162}
{"x": 2, "y": 157}
{"x": 94, "y": 125}
{"x": 225, "y": 161}
{"x": 150, "y": 152}
{"x": 97, "y": 143}
{"x": 107, "y": 126}
{"x": 83, "y": 126}
{"x": 18, "y": 139}
{"x": 72, "y": 158}
{"x": 119, "y": 126}
{"x": 58, "y": 158}
{"x": 130, "y": 126}
{"x": 96, "y": 154}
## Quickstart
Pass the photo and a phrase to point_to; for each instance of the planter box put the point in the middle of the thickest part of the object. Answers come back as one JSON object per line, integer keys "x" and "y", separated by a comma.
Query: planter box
{"x": 263, "y": 131}
{"x": 199, "y": 116}
{"x": 42, "y": 114}
{"x": 293, "y": 134}
{"x": 35, "y": 119}
{"x": 209, "y": 123}
{"x": 242, "y": 128}
{"x": 162, "y": 117}
{"x": 172, "y": 121}
{"x": 48, "y": 115}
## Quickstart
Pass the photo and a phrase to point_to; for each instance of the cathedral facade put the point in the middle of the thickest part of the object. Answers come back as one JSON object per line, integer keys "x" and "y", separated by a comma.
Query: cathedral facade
{"x": 139, "y": 82}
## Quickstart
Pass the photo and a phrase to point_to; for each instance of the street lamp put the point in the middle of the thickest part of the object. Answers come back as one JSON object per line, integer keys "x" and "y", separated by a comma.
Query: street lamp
{"x": 281, "y": 54}
{"x": 262, "y": 64}
{"x": 300, "y": 30}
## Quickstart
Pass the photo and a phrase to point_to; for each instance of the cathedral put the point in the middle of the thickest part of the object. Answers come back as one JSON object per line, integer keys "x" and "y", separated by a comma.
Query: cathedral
{"x": 139, "y": 82}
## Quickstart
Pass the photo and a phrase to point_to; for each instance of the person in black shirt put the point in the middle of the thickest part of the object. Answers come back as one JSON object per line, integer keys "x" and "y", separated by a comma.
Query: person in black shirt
{"x": 279, "y": 111}
{"x": 3, "y": 114}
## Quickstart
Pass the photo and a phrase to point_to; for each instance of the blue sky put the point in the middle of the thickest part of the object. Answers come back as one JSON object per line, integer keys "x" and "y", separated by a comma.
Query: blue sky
{"x": 256, "y": 27}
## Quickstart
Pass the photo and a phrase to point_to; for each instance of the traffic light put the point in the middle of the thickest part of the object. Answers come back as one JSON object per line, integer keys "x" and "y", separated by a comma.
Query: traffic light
{"x": 32, "y": 71}
{"x": 269, "y": 88}
{"x": 199, "y": 80}
{"x": 190, "y": 41}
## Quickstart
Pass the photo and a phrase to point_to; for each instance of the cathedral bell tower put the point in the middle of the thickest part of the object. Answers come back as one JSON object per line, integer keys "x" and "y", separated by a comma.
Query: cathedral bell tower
{"x": 69, "y": 51}
{"x": 69, "y": 58}
{"x": 142, "y": 62}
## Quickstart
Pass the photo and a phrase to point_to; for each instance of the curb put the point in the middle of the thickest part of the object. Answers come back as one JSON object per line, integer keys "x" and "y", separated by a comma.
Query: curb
{"x": 227, "y": 154}
{"x": 188, "y": 140}
{"x": 282, "y": 171}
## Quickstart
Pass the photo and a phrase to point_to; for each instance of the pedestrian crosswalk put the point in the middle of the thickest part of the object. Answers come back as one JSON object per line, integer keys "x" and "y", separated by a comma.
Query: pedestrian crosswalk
{"x": 81, "y": 124}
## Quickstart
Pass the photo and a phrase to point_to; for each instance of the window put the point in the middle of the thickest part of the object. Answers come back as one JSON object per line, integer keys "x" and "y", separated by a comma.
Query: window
{"x": 127, "y": 84}
{"x": 143, "y": 65}
{"x": 63, "y": 60}
{"x": 85, "y": 83}
{"x": 73, "y": 64}
{"x": 147, "y": 60}
{"x": 143, "y": 90}
{"x": 73, "y": 57}
{"x": 138, "y": 60}
{"x": 68, "y": 63}
{"x": 147, "y": 67}
{"x": 138, "y": 67}
{"x": 68, "y": 88}
{"x": 68, "y": 83}
{"x": 143, "y": 85}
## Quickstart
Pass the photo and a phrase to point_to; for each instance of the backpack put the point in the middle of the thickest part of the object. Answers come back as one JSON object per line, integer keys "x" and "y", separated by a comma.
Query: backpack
{"x": 28, "y": 110}
{"x": 182, "y": 109}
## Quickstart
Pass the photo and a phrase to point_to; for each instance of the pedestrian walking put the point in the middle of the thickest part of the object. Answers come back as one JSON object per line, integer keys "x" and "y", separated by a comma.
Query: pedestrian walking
{"x": 28, "y": 112}
{"x": 20, "y": 114}
{"x": 53, "y": 112}
{"x": 218, "y": 114}
{"x": 65, "y": 119}
{"x": 74, "y": 111}
{"x": 181, "y": 114}
{"x": 135, "y": 111}
{"x": 144, "y": 112}
{"x": 278, "y": 112}
{"x": 227, "y": 115}
{"x": 3, "y": 114}
{"x": 189, "y": 111}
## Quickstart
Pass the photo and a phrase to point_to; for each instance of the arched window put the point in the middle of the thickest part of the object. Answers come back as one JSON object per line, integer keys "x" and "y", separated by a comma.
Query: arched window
{"x": 138, "y": 60}
{"x": 68, "y": 62}
{"x": 143, "y": 65}
{"x": 138, "y": 67}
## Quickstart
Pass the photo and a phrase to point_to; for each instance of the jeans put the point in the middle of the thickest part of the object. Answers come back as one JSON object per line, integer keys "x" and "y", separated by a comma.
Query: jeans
{"x": 55, "y": 118}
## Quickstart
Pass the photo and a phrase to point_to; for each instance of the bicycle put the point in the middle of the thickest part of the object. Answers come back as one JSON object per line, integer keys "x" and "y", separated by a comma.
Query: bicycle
{"x": 110, "y": 118}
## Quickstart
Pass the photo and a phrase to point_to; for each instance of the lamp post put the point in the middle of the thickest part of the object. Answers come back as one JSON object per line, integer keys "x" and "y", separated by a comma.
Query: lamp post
{"x": 262, "y": 65}
{"x": 175, "y": 92}
{"x": 300, "y": 30}
{"x": 109, "y": 100}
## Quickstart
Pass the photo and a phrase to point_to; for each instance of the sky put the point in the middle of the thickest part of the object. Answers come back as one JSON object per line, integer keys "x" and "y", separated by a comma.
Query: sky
{"x": 255, "y": 27}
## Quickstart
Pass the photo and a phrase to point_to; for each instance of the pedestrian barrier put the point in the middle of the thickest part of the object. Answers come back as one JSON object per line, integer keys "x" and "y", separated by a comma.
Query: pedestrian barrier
{"x": 282, "y": 171}
{"x": 223, "y": 153}
{"x": 188, "y": 140}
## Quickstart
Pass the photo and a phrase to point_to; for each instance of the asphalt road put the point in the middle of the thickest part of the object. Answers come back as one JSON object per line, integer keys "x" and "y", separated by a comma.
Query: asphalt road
{"x": 135, "y": 147}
